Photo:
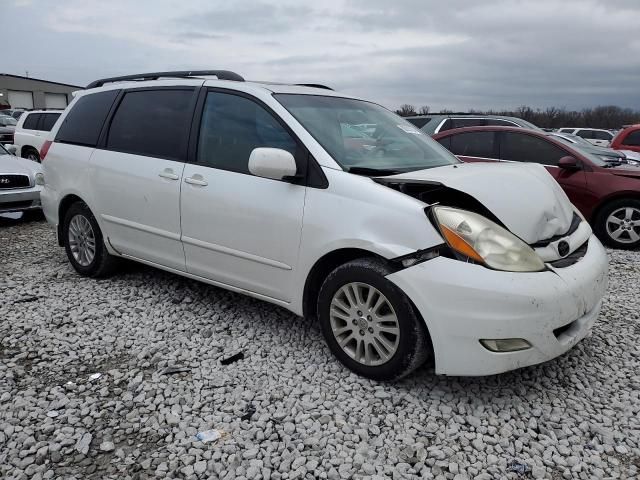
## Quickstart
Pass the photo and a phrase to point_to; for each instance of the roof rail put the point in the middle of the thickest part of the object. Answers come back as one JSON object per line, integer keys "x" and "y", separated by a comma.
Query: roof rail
{"x": 314, "y": 85}
{"x": 221, "y": 74}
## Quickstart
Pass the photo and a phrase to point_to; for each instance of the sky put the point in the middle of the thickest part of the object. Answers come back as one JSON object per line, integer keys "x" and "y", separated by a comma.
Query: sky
{"x": 455, "y": 54}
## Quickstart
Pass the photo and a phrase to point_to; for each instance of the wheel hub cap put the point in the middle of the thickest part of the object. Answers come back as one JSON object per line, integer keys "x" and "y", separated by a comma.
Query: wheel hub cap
{"x": 364, "y": 324}
{"x": 82, "y": 242}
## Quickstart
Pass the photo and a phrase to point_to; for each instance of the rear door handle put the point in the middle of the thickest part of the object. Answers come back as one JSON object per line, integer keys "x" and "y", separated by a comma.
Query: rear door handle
{"x": 168, "y": 173}
{"x": 197, "y": 179}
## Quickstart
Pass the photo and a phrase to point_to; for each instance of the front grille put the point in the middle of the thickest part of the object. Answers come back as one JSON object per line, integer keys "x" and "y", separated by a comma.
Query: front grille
{"x": 6, "y": 137}
{"x": 575, "y": 223}
{"x": 13, "y": 181}
{"x": 572, "y": 258}
{"x": 10, "y": 206}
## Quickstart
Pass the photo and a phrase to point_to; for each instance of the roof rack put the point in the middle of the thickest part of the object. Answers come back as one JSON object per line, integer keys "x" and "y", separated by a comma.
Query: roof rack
{"x": 221, "y": 74}
{"x": 314, "y": 85}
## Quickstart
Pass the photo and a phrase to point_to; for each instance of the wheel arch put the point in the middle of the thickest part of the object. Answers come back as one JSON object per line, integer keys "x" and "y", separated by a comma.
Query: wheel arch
{"x": 65, "y": 203}
{"x": 612, "y": 198}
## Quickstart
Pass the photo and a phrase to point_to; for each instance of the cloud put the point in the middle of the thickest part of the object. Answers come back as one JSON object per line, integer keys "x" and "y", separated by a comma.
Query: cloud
{"x": 456, "y": 54}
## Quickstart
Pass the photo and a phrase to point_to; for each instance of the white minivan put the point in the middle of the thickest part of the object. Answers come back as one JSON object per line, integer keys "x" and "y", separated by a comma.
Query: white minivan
{"x": 400, "y": 251}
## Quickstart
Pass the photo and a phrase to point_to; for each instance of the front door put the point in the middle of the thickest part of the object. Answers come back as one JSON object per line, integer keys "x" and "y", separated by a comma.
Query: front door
{"x": 238, "y": 229}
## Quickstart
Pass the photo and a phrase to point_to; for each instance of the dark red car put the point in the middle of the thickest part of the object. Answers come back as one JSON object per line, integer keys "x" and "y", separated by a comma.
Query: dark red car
{"x": 606, "y": 193}
{"x": 627, "y": 139}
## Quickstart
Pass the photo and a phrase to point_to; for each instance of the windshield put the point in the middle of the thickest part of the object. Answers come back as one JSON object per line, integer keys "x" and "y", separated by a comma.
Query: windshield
{"x": 7, "y": 121}
{"x": 364, "y": 137}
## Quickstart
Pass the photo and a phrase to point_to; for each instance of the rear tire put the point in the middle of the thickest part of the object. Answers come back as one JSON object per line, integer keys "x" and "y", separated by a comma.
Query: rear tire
{"x": 31, "y": 154}
{"x": 617, "y": 224}
{"x": 369, "y": 324}
{"x": 84, "y": 243}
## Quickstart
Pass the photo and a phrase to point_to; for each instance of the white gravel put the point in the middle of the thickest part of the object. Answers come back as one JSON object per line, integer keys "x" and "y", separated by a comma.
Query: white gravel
{"x": 575, "y": 417}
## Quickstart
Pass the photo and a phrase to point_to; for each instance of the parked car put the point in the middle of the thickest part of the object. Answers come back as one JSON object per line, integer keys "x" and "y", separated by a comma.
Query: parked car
{"x": 13, "y": 112}
{"x": 435, "y": 123}
{"x": 401, "y": 251}
{"x": 595, "y": 136}
{"x": 7, "y": 128}
{"x": 19, "y": 183}
{"x": 31, "y": 132}
{"x": 607, "y": 154}
{"x": 607, "y": 193}
{"x": 627, "y": 140}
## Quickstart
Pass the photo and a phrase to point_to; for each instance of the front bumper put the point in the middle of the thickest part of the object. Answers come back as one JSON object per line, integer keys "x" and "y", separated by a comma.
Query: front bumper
{"x": 20, "y": 200}
{"x": 463, "y": 303}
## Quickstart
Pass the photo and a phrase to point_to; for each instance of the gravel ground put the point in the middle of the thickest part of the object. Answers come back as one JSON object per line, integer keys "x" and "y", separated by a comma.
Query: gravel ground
{"x": 288, "y": 409}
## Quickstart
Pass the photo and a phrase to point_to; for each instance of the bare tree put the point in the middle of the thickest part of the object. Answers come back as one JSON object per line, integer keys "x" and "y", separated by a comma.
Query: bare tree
{"x": 406, "y": 110}
{"x": 424, "y": 110}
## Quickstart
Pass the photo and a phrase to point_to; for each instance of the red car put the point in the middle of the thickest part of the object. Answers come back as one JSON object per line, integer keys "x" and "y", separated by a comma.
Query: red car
{"x": 606, "y": 193}
{"x": 627, "y": 139}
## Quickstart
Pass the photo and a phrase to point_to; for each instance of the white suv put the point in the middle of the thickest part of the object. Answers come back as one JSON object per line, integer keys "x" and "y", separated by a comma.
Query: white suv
{"x": 31, "y": 132}
{"x": 595, "y": 136}
{"x": 399, "y": 250}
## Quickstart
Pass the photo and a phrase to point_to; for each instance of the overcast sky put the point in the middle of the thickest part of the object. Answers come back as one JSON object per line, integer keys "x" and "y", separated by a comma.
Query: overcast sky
{"x": 456, "y": 54}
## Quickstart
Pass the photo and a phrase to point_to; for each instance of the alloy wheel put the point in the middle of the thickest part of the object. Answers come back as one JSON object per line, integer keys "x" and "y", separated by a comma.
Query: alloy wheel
{"x": 623, "y": 225}
{"x": 82, "y": 240}
{"x": 364, "y": 324}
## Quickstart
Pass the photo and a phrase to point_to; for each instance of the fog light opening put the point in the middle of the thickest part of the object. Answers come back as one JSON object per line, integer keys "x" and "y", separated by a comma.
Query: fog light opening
{"x": 505, "y": 344}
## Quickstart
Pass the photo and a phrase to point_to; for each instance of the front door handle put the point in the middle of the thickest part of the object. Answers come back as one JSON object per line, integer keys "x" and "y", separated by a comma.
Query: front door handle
{"x": 197, "y": 179}
{"x": 168, "y": 174}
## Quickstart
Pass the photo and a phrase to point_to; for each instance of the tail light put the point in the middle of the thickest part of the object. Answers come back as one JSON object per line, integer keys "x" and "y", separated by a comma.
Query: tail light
{"x": 45, "y": 149}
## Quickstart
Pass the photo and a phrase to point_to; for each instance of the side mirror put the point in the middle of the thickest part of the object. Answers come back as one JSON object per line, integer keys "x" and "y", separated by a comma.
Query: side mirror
{"x": 273, "y": 163}
{"x": 12, "y": 149}
{"x": 568, "y": 163}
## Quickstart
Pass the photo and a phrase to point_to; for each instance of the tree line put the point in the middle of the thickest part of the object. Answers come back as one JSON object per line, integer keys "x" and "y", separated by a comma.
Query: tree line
{"x": 605, "y": 116}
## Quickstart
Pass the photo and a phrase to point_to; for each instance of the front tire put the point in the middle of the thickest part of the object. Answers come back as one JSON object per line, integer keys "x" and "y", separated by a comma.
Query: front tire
{"x": 369, "y": 324}
{"x": 31, "y": 154}
{"x": 84, "y": 243}
{"x": 618, "y": 224}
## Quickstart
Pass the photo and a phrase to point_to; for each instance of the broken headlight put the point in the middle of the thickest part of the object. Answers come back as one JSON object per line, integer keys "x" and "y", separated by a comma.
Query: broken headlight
{"x": 481, "y": 240}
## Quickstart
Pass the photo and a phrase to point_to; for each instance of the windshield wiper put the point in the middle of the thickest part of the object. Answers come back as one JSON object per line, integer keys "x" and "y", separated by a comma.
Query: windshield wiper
{"x": 373, "y": 171}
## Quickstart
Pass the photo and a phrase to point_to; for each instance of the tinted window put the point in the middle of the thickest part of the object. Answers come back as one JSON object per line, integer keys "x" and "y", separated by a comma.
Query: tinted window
{"x": 419, "y": 122}
{"x": 566, "y": 130}
{"x": 31, "y": 122}
{"x": 445, "y": 142}
{"x": 83, "y": 123}
{"x": 598, "y": 135}
{"x": 585, "y": 133}
{"x": 447, "y": 125}
{"x": 633, "y": 139}
{"x": 500, "y": 123}
{"x": 232, "y": 126}
{"x": 154, "y": 123}
{"x": 527, "y": 148}
{"x": 474, "y": 144}
{"x": 48, "y": 121}
{"x": 468, "y": 122}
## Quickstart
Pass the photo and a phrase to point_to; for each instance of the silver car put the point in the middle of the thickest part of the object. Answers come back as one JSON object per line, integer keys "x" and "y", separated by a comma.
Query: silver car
{"x": 19, "y": 178}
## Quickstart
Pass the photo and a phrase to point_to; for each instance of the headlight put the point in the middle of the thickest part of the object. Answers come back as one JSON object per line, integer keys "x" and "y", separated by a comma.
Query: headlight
{"x": 481, "y": 240}
{"x": 39, "y": 178}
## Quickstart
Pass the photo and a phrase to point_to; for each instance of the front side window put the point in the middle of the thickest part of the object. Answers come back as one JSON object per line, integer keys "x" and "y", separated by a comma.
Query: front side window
{"x": 500, "y": 123}
{"x": 153, "y": 123}
{"x": 232, "y": 126}
{"x": 468, "y": 122}
{"x": 31, "y": 122}
{"x": 392, "y": 146}
{"x": 633, "y": 139}
{"x": 520, "y": 147}
{"x": 585, "y": 133}
{"x": 474, "y": 144}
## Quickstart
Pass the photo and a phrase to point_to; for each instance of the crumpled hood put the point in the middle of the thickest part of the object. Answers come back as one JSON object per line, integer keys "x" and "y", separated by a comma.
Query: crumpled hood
{"x": 13, "y": 164}
{"x": 523, "y": 196}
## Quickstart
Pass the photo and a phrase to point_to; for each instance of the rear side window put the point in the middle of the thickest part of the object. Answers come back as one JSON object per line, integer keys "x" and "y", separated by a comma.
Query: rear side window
{"x": 31, "y": 122}
{"x": 83, "y": 123}
{"x": 520, "y": 147}
{"x": 598, "y": 135}
{"x": 232, "y": 126}
{"x": 48, "y": 120}
{"x": 154, "y": 123}
{"x": 468, "y": 122}
{"x": 474, "y": 144}
{"x": 419, "y": 122}
{"x": 633, "y": 139}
